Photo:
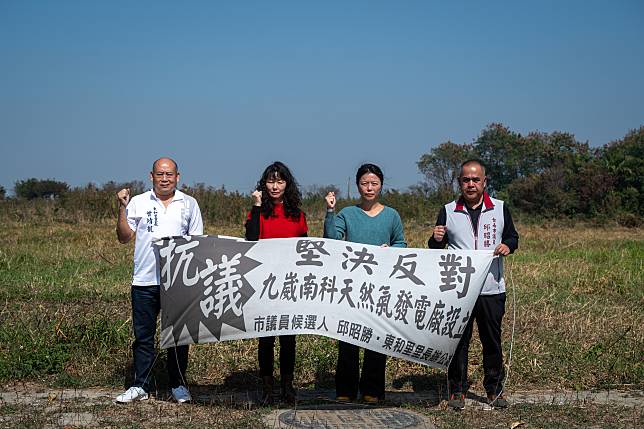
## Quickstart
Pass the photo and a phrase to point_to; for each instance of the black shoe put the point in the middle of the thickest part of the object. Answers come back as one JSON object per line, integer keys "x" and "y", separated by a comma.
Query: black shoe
{"x": 267, "y": 390}
{"x": 288, "y": 391}
{"x": 373, "y": 400}
{"x": 456, "y": 401}
{"x": 497, "y": 401}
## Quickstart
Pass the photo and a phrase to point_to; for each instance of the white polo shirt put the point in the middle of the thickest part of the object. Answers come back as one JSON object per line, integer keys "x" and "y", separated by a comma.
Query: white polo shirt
{"x": 151, "y": 220}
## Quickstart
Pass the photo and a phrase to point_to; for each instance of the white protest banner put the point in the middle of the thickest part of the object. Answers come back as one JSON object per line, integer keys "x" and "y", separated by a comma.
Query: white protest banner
{"x": 407, "y": 303}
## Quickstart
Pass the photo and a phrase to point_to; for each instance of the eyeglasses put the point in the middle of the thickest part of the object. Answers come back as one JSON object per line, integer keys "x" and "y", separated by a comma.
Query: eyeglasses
{"x": 470, "y": 179}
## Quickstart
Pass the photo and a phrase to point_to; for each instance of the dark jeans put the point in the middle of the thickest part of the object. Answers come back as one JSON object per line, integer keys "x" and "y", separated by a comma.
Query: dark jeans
{"x": 146, "y": 304}
{"x": 488, "y": 312}
{"x": 287, "y": 355}
{"x": 347, "y": 372}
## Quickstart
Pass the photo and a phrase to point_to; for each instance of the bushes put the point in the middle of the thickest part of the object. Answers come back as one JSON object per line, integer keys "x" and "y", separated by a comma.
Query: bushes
{"x": 540, "y": 174}
{"x": 219, "y": 206}
{"x": 624, "y": 160}
{"x": 554, "y": 175}
{"x": 36, "y": 188}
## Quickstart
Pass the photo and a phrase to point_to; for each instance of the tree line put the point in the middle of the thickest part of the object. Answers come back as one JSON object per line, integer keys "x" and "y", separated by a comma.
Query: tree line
{"x": 546, "y": 174}
{"x": 540, "y": 175}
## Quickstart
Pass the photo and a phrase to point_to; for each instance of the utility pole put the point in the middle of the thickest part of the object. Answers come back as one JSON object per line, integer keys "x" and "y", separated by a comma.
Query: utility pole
{"x": 349, "y": 188}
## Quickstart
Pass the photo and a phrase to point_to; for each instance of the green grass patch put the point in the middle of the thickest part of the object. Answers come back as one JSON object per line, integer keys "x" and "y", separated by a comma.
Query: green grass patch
{"x": 66, "y": 346}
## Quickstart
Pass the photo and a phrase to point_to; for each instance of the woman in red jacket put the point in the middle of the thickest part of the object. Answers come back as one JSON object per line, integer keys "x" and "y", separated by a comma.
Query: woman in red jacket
{"x": 276, "y": 213}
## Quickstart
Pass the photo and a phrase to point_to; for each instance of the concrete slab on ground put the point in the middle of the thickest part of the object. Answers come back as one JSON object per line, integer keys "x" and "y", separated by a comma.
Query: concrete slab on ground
{"x": 348, "y": 416}
{"x": 34, "y": 394}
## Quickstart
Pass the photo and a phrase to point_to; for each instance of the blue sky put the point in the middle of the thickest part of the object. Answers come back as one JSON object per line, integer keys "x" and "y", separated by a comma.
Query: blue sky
{"x": 94, "y": 91}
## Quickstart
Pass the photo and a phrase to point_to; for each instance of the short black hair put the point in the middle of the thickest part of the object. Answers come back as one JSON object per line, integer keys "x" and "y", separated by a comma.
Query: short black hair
{"x": 472, "y": 161}
{"x": 370, "y": 168}
{"x": 176, "y": 166}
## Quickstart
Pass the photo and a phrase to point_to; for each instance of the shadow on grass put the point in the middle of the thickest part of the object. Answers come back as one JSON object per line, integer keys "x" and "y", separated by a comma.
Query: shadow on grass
{"x": 324, "y": 380}
{"x": 429, "y": 389}
{"x": 422, "y": 383}
{"x": 158, "y": 377}
{"x": 242, "y": 389}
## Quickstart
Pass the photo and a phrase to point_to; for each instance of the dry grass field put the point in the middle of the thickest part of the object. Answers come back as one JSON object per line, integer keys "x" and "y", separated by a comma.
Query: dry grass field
{"x": 575, "y": 316}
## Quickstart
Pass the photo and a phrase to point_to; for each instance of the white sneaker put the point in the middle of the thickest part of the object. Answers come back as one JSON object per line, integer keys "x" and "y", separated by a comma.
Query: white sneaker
{"x": 132, "y": 394}
{"x": 181, "y": 394}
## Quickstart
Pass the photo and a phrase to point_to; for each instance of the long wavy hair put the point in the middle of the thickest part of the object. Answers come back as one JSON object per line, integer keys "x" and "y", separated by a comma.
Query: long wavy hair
{"x": 292, "y": 196}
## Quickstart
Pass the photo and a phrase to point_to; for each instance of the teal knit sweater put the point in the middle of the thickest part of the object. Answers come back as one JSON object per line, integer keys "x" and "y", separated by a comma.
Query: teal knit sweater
{"x": 353, "y": 224}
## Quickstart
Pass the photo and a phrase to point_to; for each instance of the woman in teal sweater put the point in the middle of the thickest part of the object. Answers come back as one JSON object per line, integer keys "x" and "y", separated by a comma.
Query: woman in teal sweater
{"x": 369, "y": 222}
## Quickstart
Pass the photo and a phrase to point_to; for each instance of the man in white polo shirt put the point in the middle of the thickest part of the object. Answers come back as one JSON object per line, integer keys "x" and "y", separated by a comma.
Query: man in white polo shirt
{"x": 163, "y": 211}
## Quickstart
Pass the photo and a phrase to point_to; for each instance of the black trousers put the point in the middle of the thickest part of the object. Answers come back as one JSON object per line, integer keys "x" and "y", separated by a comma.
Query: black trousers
{"x": 287, "y": 355}
{"x": 146, "y": 304}
{"x": 347, "y": 372}
{"x": 488, "y": 313}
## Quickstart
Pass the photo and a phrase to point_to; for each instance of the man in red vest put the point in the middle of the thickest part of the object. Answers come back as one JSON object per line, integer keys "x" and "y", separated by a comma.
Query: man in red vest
{"x": 477, "y": 221}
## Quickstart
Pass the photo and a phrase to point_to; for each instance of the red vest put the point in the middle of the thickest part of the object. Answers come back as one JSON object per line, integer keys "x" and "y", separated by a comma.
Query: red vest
{"x": 460, "y": 232}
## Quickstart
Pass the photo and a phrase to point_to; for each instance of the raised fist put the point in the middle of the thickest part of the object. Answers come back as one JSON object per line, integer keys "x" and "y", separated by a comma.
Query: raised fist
{"x": 257, "y": 198}
{"x": 124, "y": 197}
{"x": 439, "y": 232}
{"x": 330, "y": 200}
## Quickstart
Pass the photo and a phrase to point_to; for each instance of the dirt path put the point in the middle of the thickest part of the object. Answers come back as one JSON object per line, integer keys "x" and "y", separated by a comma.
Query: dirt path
{"x": 28, "y": 393}
{"x": 28, "y": 405}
